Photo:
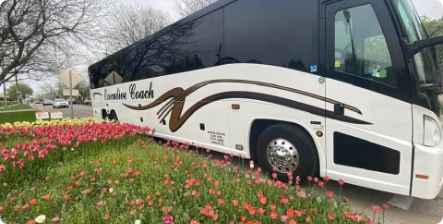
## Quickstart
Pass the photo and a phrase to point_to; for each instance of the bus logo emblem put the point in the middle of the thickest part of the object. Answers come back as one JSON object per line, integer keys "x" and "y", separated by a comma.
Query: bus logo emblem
{"x": 321, "y": 80}
{"x": 314, "y": 68}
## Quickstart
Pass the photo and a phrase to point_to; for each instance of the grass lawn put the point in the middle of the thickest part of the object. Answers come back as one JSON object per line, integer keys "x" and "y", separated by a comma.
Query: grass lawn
{"x": 17, "y": 116}
{"x": 16, "y": 107}
{"x": 105, "y": 173}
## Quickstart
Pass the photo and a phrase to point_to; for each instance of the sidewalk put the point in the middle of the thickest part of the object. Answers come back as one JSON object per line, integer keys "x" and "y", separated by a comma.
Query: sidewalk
{"x": 14, "y": 111}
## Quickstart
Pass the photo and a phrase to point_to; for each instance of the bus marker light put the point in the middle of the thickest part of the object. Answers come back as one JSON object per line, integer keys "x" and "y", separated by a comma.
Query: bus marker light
{"x": 419, "y": 176}
{"x": 107, "y": 105}
{"x": 239, "y": 147}
{"x": 319, "y": 133}
{"x": 236, "y": 106}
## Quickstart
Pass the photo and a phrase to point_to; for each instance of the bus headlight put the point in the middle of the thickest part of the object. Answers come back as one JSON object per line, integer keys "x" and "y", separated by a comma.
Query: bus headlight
{"x": 432, "y": 132}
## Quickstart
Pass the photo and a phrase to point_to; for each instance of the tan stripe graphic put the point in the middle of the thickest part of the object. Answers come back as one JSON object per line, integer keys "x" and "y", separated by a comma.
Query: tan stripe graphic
{"x": 190, "y": 90}
{"x": 178, "y": 95}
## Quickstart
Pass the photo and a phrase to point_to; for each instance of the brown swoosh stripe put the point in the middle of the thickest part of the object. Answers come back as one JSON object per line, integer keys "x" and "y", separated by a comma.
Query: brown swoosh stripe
{"x": 166, "y": 109}
{"x": 97, "y": 94}
{"x": 177, "y": 121}
{"x": 170, "y": 94}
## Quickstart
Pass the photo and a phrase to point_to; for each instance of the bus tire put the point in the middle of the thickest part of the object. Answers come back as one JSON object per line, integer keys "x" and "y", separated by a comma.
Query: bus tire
{"x": 287, "y": 148}
{"x": 113, "y": 116}
{"x": 105, "y": 115}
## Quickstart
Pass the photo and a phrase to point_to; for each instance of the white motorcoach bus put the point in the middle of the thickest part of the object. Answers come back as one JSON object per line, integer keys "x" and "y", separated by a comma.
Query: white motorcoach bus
{"x": 344, "y": 88}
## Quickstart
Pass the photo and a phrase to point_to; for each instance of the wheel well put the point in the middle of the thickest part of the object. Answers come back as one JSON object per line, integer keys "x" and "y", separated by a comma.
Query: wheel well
{"x": 258, "y": 126}
{"x": 104, "y": 114}
{"x": 115, "y": 115}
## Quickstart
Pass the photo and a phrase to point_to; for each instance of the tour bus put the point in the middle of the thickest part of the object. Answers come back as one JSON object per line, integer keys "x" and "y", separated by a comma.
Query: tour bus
{"x": 343, "y": 88}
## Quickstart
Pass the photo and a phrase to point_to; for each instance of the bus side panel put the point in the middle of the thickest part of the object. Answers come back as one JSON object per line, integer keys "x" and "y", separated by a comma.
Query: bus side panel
{"x": 256, "y": 110}
{"x": 251, "y": 87}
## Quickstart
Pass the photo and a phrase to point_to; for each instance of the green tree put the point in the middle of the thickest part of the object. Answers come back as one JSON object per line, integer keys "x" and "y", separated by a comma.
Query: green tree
{"x": 435, "y": 29}
{"x": 83, "y": 89}
{"x": 22, "y": 87}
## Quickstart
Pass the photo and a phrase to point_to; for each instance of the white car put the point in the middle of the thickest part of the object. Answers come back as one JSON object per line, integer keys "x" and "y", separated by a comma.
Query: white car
{"x": 47, "y": 102}
{"x": 58, "y": 103}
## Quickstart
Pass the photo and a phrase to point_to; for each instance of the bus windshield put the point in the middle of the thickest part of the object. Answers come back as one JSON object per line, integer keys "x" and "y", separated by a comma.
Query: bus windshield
{"x": 425, "y": 61}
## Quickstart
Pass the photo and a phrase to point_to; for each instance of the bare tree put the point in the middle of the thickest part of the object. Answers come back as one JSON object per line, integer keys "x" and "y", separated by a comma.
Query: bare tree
{"x": 48, "y": 89}
{"x": 184, "y": 8}
{"x": 84, "y": 90}
{"x": 36, "y": 35}
{"x": 130, "y": 24}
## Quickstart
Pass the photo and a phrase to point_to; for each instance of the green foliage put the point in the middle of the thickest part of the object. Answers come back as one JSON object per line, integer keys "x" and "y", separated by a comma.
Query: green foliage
{"x": 15, "y": 107}
{"x": 22, "y": 87}
{"x": 2, "y": 102}
{"x": 17, "y": 116}
{"x": 83, "y": 89}
{"x": 435, "y": 29}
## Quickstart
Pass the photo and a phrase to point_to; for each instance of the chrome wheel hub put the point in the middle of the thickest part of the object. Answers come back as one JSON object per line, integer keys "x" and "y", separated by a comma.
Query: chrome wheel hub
{"x": 282, "y": 155}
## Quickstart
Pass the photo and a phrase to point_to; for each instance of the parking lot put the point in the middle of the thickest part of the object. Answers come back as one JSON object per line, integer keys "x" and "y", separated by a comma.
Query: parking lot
{"x": 421, "y": 211}
{"x": 80, "y": 111}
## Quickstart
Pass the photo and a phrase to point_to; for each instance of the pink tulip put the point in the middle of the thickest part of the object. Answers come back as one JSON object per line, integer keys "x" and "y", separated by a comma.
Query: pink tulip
{"x": 168, "y": 219}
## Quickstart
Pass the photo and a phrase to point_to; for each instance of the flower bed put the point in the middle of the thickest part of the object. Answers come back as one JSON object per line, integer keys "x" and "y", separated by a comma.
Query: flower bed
{"x": 91, "y": 172}
{"x": 66, "y": 121}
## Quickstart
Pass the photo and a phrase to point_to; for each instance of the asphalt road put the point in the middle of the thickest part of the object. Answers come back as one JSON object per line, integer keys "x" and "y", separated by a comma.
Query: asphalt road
{"x": 421, "y": 211}
{"x": 361, "y": 199}
{"x": 79, "y": 110}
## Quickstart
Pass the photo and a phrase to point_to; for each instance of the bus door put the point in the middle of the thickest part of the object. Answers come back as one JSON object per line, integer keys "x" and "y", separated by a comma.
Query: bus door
{"x": 369, "y": 135}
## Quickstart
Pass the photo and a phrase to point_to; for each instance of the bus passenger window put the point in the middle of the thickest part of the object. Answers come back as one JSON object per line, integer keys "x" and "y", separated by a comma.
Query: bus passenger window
{"x": 360, "y": 46}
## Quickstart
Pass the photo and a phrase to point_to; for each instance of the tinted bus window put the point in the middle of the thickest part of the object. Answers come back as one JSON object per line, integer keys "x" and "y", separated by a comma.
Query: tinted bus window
{"x": 195, "y": 45}
{"x": 276, "y": 33}
{"x": 361, "y": 48}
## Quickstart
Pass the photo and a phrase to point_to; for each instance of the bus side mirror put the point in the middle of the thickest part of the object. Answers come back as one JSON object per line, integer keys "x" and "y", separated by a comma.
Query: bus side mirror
{"x": 417, "y": 46}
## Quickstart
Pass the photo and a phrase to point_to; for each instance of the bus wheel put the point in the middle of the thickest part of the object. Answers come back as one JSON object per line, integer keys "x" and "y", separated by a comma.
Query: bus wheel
{"x": 282, "y": 149}
{"x": 113, "y": 116}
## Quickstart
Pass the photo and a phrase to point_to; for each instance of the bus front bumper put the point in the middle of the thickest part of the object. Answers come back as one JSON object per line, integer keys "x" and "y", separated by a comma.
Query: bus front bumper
{"x": 427, "y": 178}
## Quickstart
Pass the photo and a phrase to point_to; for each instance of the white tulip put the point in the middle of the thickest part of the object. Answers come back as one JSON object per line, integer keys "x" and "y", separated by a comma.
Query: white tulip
{"x": 138, "y": 221}
{"x": 111, "y": 190}
{"x": 40, "y": 219}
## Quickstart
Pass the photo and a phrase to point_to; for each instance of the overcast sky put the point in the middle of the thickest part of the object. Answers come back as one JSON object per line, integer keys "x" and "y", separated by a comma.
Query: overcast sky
{"x": 430, "y": 8}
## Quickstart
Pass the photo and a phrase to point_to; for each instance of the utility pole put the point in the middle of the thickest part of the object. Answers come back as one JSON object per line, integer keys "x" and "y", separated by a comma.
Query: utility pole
{"x": 60, "y": 91}
{"x": 4, "y": 94}
{"x": 70, "y": 95}
{"x": 4, "y": 91}
{"x": 16, "y": 88}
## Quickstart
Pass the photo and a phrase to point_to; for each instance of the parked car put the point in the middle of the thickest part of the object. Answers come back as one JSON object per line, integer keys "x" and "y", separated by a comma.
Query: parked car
{"x": 58, "y": 103}
{"x": 37, "y": 102}
{"x": 47, "y": 102}
{"x": 87, "y": 103}
{"x": 73, "y": 101}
